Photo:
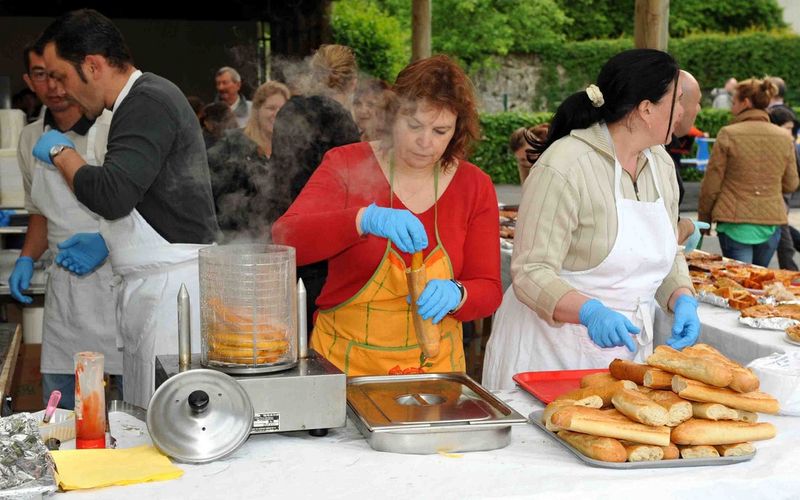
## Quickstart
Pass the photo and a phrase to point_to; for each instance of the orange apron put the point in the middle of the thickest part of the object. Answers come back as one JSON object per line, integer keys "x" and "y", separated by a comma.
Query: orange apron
{"x": 373, "y": 332}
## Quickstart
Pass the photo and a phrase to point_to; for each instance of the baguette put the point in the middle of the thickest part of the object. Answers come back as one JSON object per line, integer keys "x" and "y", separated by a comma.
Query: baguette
{"x": 678, "y": 409}
{"x": 600, "y": 423}
{"x": 744, "y": 380}
{"x": 713, "y": 411}
{"x": 628, "y": 370}
{"x": 698, "y": 431}
{"x": 639, "y": 407}
{"x": 590, "y": 402}
{"x": 735, "y": 450}
{"x": 606, "y": 392}
{"x": 598, "y": 448}
{"x": 595, "y": 379}
{"x": 428, "y": 335}
{"x": 699, "y": 451}
{"x": 696, "y": 368}
{"x": 750, "y": 401}
{"x": 671, "y": 452}
{"x": 657, "y": 379}
{"x": 746, "y": 416}
{"x": 643, "y": 452}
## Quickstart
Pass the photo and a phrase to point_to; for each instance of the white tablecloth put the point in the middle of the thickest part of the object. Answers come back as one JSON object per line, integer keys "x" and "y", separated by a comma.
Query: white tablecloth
{"x": 342, "y": 465}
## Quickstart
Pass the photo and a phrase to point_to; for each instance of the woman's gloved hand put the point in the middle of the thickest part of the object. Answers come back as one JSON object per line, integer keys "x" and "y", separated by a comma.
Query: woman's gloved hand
{"x": 607, "y": 328}
{"x": 41, "y": 150}
{"x": 694, "y": 238}
{"x": 20, "y": 279}
{"x": 82, "y": 253}
{"x": 5, "y": 217}
{"x": 400, "y": 226}
{"x": 686, "y": 325}
{"x": 439, "y": 298}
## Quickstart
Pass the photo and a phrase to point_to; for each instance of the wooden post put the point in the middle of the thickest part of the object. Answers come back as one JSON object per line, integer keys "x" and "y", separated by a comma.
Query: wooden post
{"x": 651, "y": 24}
{"x": 420, "y": 29}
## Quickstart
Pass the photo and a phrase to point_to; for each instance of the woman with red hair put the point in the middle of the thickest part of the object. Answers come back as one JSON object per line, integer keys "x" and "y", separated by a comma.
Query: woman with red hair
{"x": 371, "y": 205}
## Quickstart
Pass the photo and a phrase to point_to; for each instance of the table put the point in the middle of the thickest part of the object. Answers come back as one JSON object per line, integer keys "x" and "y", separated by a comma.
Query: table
{"x": 10, "y": 340}
{"x": 342, "y": 465}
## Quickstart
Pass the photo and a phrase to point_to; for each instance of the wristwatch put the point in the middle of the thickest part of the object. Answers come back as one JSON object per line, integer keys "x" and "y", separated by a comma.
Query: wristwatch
{"x": 57, "y": 149}
{"x": 463, "y": 292}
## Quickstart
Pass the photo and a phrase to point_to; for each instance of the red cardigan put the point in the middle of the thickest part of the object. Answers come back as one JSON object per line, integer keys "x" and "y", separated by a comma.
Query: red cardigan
{"x": 320, "y": 224}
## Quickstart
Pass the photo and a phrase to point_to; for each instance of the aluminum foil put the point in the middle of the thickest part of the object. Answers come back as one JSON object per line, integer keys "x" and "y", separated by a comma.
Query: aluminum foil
{"x": 26, "y": 467}
{"x": 716, "y": 300}
{"x": 768, "y": 323}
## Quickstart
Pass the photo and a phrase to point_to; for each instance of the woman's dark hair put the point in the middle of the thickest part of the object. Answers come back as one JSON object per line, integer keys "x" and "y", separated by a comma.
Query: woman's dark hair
{"x": 781, "y": 114}
{"x": 625, "y": 80}
{"x": 84, "y": 32}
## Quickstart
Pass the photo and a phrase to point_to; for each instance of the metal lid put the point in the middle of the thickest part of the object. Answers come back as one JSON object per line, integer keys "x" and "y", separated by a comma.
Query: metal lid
{"x": 199, "y": 416}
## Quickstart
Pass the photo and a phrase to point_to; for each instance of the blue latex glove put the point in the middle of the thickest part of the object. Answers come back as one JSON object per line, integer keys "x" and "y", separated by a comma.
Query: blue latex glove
{"x": 439, "y": 298}
{"x": 607, "y": 328}
{"x": 20, "y": 279}
{"x": 694, "y": 238}
{"x": 400, "y": 226}
{"x": 41, "y": 150}
{"x": 686, "y": 326}
{"x": 5, "y": 217}
{"x": 82, "y": 253}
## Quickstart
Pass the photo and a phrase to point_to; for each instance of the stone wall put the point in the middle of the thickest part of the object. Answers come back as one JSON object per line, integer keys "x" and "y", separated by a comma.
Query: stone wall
{"x": 514, "y": 79}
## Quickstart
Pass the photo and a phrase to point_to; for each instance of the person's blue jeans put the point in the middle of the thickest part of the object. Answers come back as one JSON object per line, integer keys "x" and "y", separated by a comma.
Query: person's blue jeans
{"x": 64, "y": 382}
{"x": 759, "y": 255}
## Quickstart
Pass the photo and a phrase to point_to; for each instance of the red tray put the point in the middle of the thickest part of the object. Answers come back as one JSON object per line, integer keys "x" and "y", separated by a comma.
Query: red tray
{"x": 546, "y": 386}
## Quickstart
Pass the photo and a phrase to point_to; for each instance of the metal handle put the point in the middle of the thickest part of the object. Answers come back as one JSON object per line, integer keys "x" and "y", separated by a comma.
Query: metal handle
{"x": 302, "y": 322}
{"x": 184, "y": 330}
{"x": 198, "y": 401}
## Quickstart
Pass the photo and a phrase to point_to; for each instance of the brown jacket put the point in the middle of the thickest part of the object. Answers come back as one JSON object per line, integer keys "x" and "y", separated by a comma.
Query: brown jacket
{"x": 751, "y": 165}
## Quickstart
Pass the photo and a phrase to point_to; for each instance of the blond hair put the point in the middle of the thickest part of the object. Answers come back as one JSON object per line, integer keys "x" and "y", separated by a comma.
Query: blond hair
{"x": 760, "y": 92}
{"x": 253, "y": 128}
{"x": 333, "y": 67}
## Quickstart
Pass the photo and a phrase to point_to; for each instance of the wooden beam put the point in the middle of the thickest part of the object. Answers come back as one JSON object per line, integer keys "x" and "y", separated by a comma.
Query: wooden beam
{"x": 651, "y": 24}
{"x": 420, "y": 29}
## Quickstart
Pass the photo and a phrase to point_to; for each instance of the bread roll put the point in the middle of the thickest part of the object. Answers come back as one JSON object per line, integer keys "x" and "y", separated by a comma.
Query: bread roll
{"x": 628, "y": 370}
{"x": 644, "y": 453}
{"x": 713, "y": 411}
{"x": 678, "y": 409}
{"x": 744, "y": 380}
{"x": 698, "y": 431}
{"x": 639, "y": 407}
{"x": 735, "y": 450}
{"x": 598, "y": 448}
{"x": 699, "y": 451}
{"x": 657, "y": 379}
{"x": 601, "y": 423}
{"x": 595, "y": 379}
{"x": 606, "y": 392}
{"x": 749, "y": 401}
{"x": 671, "y": 452}
{"x": 590, "y": 402}
{"x": 696, "y": 368}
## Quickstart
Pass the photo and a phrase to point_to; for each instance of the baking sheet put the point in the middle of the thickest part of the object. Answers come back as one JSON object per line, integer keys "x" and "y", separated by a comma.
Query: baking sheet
{"x": 535, "y": 418}
{"x": 548, "y": 385}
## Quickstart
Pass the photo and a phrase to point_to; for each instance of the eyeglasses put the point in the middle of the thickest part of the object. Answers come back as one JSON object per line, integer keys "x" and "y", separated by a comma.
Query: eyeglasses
{"x": 38, "y": 75}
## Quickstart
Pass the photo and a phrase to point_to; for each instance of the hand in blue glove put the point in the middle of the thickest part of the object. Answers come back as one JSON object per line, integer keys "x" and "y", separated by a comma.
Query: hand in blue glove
{"x": 5, "y": 217}
{"x": 400, "y": 226}
{"x": 607, "y": 328}
{"x": 20, "y": 279}
{"x": 439, "y": 298}
{"x": 82, "y": 253}
{"x": 686, "y": 326}
{"x": 693, "y": 239}
{"x": 41, "y": 150}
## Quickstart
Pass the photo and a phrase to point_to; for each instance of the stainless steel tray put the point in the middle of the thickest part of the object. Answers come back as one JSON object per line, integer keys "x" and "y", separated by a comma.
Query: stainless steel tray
{"x": 429, "y": 413}
{"x": 536, "y": 419}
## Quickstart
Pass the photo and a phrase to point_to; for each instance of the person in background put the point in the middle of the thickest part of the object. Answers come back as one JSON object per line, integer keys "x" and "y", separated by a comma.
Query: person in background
{"x": 722, "y": 97}
{"x": 752, "y": 164}
{"x": 305, "y": 129}
{"x": 784, "y": 117}
{"x": 369, "y": 206}
{"x": 369, "y": 107}
{"x": 596, "y": 242}
{"x": 239, "y": 164}
{"x": 217, "y": 120}
{"x": 80, "y": 312}
{"x": 27, "y": 101}
{"x": 518, "y": 143}
{"x": 197, "y": 105}
{"x": 229, "y": 85}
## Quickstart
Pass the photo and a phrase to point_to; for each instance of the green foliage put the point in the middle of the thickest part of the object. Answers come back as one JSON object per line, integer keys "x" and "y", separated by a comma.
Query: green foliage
{"x": 710, "y": 120}
{"x": 598, "y": 18}
{"x": 378, "y": 39}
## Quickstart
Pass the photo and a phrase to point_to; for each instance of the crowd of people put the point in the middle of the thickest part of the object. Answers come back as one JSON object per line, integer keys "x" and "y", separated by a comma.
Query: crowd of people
{"x": 126, "y": 179}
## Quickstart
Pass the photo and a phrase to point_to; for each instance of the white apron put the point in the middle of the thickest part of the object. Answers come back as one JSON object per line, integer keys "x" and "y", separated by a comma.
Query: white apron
{"x": 79, "y": 311}
{"x": 626, "y": 281}
{"x": 152, "y": 271}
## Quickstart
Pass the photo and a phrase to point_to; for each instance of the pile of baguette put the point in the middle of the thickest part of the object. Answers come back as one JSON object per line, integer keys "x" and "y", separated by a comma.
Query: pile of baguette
{"x": 694, "y": 403}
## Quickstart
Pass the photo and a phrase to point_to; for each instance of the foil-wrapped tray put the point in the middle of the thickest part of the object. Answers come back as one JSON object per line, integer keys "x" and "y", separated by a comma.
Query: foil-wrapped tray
{"x": 768, "y": 323}
{"x": 26, "y": 467}
{"x": 716, "y": 300}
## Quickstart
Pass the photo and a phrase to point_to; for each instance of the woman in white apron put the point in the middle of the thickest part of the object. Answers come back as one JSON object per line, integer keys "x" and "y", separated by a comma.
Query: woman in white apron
{"x": 595, "y": 246}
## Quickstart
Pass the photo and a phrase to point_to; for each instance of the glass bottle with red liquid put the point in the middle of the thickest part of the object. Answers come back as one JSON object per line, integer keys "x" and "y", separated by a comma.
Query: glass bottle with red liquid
{"x": 90, "y": 401}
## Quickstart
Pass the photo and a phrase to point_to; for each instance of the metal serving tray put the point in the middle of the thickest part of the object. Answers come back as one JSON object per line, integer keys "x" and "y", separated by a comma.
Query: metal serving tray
{"x": 536, "y": 419}
{"x": 429, "y": 413}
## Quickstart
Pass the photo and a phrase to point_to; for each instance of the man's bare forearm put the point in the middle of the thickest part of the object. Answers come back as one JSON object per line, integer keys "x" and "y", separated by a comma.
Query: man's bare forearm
{"x": 35, "y": 238}
{"x": 68, "y": 163}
